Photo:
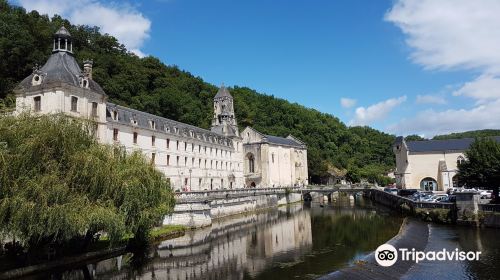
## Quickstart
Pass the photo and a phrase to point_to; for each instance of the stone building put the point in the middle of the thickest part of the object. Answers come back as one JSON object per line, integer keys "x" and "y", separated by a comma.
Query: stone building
{"x": 431, "y": 164}
{"x": 192, "y": 158}
{"x": 273, "y": 161}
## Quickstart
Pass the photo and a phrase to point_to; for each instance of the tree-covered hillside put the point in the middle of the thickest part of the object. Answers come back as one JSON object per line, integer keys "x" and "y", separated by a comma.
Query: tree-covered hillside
{"x": 469, "y": 134}
{"x": 150, "y": 85}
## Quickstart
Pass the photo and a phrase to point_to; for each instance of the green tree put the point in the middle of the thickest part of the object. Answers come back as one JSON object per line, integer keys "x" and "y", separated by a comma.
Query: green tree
{"x": 58, "y": 184}
{"x": 481, "y": 169}
{"x": 414, "y": 137}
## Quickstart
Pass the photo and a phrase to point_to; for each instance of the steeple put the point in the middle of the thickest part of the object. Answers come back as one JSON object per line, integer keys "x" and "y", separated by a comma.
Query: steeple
{"x": 62, "y": 41}
{"x": 224, "y": 120}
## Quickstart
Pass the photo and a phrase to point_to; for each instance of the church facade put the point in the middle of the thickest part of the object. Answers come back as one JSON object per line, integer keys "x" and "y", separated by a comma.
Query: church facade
{"x": 191, "y": 158}
{"x": 429, "y": 165}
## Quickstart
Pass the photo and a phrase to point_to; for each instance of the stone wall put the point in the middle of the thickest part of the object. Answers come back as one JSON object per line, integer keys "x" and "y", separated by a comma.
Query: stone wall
{"x": 201, "y": 212}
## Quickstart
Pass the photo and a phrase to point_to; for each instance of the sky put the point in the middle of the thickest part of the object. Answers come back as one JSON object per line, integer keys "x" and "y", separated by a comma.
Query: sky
{"x": 423, "y": 67}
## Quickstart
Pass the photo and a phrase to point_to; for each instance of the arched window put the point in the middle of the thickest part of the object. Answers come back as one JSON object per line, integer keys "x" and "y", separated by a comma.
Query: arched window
{"x": 251, "y": 163}
{"x": 428, "y": 184}
{"x": 460, "y": 160}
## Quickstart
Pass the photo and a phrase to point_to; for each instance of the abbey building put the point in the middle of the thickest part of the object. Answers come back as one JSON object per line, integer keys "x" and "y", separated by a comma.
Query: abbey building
{"x": 190, "y": 157}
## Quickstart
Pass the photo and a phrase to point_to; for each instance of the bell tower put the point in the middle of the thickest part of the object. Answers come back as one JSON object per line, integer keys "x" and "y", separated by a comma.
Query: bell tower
{"x": 62, "y": 41}
{"x": 224, "y": 119}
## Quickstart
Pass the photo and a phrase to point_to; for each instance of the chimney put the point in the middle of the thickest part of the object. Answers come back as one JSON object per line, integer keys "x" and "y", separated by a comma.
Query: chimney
{"x": 87, "y": 68}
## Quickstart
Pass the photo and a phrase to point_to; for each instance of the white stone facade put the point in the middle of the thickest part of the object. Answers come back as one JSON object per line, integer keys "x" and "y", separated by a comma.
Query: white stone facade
{"x": 420, "y": 166}
{"x": 273, "y": 161}
{"x": 191, "y": 158}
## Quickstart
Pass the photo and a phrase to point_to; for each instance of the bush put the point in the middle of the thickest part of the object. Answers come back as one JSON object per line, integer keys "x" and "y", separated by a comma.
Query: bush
{"x": 58, "y": 184}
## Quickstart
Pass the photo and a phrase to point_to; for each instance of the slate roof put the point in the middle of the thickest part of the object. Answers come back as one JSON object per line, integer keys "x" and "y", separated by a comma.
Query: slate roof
{"x": 442, "y": 145}
{"x": 282, "y": 141}
{"x": 62, "y": 32}
{"x": 61, "y": 67}
{"x": 223, "y": 92}
{"x": 126, "y": 116}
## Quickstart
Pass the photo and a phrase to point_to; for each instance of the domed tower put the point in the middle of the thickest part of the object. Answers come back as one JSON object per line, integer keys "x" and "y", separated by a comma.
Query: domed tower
{"x": 61, "y": 86}
{"x": 224, "y": 120}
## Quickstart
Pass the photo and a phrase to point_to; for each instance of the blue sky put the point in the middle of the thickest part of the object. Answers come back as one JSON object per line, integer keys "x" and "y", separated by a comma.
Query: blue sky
{"x": 406, "y": 66}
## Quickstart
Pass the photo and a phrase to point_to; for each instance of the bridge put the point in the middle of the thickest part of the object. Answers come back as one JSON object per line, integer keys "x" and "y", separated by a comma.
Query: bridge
{"x": 208, "y": 196}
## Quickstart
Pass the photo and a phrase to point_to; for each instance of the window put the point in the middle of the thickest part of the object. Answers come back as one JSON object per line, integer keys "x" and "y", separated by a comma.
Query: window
{"x": 251, "y": 163}
{"x": 272, "y": 157}
{"x": 168, "y": 159}
{"x": 115, "y": 115}
{"x": 205, "y": 164}
{"x": 199, "y": 182}
{"x": 152, "y": 124}
{"x": 153, "y": 157}
{"x": 460, "y": 160}
{"x": 94, "y": 109}
{"x": 74, "y": 104}
{"x": 38, "y": 103}
{"x": 135, "y": 137}
{"x": 185, "y": 146}
{"x": 115, "y": 134}
{"x": 185, "y": 161}
{"x": 178, "y": 160}
{"x": 168, "y": 143}
{"x": 192, "y": 147}
{"x": 199, "y": 148}
{"x": 199, "y": 162}
{"x": 153, "y": 140}
{"x": 178, "y": 145}
{"x": 192, "y": 162}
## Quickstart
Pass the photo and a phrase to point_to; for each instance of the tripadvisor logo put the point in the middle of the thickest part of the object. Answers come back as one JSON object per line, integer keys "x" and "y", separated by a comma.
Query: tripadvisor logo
{"x": 387, "y": 255}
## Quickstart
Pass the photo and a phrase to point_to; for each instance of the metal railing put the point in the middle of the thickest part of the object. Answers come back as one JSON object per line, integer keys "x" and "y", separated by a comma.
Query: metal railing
{"x": 489, "y": 207}
{"x": 230, "y": 193}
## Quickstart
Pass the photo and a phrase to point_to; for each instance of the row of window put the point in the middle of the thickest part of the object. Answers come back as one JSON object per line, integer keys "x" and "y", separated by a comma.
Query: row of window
{"x": 37, "y": 100}
{"x": 200, "y": 163}
{"x": 191, "y": 133}
{"x": 188, "y": 181}
{"x": 187, "y": 146}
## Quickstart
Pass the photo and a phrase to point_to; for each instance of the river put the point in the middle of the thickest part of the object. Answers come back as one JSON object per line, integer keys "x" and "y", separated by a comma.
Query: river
{"x": 300, "y": 241}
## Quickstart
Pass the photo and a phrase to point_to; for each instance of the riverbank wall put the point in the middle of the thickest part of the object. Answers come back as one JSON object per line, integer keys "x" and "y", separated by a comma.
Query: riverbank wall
{"x": 199, "y": 209}
{"x": 465, "y": 211}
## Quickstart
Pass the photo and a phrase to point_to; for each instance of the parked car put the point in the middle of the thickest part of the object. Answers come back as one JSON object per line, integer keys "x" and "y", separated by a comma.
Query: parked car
{"x": 486, "y": 194}
{"x": 407, "y": 192}
{"x": 438, "y": 198}
{"x": 422, "y": 195}
{"x": 391, "y": 190}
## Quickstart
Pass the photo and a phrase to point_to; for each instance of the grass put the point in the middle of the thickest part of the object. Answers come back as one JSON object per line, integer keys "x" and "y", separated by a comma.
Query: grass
{"x": 156, "y": 233}
{"x": 167, "y": 230}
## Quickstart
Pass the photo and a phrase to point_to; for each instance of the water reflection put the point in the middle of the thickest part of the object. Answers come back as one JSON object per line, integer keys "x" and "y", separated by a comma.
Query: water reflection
{"x": 442, "y": 237}
{"x": 297, "y": 241}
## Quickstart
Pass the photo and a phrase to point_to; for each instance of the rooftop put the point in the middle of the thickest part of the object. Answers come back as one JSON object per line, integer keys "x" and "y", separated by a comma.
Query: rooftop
{"x": 442, "y": 145}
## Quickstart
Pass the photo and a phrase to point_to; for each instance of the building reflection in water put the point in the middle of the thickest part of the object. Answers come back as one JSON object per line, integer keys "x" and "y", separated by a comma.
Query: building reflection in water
{"x": 230, "y": 249}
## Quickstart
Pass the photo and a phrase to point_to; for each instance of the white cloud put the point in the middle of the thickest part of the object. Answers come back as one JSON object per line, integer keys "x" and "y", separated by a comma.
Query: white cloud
{"x": 347, "y": 102}
{"x": 460, "y": 35}
{"x": 484, "y": 89}
{"x": 446, "y": 34}
{"x": 124, "y": 22}
{"x": 432, "y": 122}
{"x": 430, "y": 99}
{"x": 376, "y": 112}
